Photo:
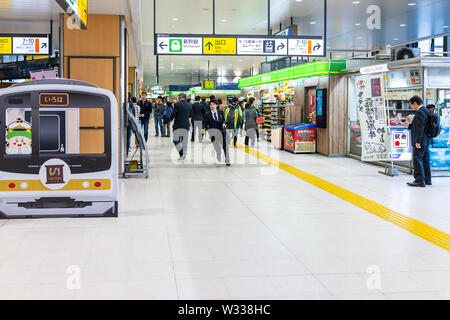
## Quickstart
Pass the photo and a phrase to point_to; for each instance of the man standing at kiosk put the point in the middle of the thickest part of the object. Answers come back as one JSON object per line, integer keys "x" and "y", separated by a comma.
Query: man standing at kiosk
{"x": 420, "y": 142}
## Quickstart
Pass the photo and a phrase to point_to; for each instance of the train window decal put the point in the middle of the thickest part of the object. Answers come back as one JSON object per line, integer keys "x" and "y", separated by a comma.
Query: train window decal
{"x": 18, "y": 137}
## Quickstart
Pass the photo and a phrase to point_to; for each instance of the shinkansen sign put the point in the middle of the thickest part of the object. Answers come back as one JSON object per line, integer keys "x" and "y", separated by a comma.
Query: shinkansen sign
{"x": 245, "y": 45}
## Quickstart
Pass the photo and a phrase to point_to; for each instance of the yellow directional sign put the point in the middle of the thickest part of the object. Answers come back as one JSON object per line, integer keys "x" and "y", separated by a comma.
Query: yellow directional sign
{"x": 219, "y": 46}
{"x": 5, "y": 45}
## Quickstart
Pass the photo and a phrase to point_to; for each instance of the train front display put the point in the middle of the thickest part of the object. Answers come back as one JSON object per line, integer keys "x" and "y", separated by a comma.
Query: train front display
{"x": 59, "y": 150}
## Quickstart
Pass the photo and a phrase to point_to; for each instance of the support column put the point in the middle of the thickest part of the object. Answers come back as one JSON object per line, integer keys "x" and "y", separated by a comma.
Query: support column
{"x": 94, "y": 55}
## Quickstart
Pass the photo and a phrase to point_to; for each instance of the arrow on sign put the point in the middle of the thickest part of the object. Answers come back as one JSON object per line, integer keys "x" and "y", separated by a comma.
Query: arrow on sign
{"x": 44, "y": 45}
{"x": 317, "y": 47}
{"x": 280, "y": 47}
{"x": 209, "y": 45}
{"x": 162, "y": 45}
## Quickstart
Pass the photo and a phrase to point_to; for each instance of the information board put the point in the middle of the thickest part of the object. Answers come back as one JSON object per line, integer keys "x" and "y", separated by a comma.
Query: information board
{"x": 245, "y": 45}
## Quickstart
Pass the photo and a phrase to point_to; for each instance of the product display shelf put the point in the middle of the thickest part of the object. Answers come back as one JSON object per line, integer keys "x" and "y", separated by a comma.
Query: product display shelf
{"x": 268, "y": 110}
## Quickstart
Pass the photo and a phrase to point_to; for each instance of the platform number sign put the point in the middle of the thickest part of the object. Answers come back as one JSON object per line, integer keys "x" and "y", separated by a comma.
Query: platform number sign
{"x": 209, "y": 84}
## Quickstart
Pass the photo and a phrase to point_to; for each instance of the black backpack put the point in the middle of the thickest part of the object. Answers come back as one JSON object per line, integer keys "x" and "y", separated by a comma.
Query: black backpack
{"x": 434, "y": 126}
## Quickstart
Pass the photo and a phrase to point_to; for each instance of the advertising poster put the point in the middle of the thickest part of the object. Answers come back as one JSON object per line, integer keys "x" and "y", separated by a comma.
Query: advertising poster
{"x": 400, "y": 148}
{"x": 372, "y": 117}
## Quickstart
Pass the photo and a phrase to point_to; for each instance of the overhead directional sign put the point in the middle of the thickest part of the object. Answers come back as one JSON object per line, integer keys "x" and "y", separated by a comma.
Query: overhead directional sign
{"x": 5, "y": 45}
{"x": 247, "y": 45}
{"x": 306, "y": 47}
{"x": 179, "y": 45}
{"x": 265, "y": 47}
{"x": 225, "y": 46}
{"x": 30, "y": 45}
{"x": 24, "y": 44}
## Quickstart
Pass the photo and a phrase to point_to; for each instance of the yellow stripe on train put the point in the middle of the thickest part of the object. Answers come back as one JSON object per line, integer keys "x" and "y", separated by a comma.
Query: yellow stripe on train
{"x": 72, "y": 185}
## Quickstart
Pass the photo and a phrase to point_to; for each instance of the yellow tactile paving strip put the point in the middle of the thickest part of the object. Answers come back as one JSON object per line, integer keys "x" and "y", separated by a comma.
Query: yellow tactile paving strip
{"x": 426, "y": 232}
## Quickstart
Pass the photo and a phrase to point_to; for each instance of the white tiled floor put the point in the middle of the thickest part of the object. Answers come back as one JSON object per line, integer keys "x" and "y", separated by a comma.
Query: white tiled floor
{"x": 251, "y": 231}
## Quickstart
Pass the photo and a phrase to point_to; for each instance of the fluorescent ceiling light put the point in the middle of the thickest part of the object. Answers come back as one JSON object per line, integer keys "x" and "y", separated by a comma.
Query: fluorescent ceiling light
{"x": 403, "y": 25}
{"x": 312, "y": 22}
{"x": 223, "y": 20}
{"x": 411, "y": 4}
{"x": 357, "y": 24}
{"x": 298, "y": 0}
{"x": 356, "y": 2}
{"x": 445, "y": 27}
{"x": 174, "y": 19}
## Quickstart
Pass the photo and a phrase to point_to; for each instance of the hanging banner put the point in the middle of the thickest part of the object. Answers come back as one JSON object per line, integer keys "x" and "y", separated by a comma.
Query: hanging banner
{"x": 372, "y": 117}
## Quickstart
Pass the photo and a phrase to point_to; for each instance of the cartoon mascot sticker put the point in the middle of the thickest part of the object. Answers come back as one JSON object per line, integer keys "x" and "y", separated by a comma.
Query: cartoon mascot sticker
{"x": 18, "y": 137}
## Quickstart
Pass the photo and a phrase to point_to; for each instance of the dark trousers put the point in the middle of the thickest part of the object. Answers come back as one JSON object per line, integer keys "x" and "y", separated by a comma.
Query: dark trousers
{"x": 129, "y": 133}
{"x": 422, "y": 169}
{"x": 218, "y": 138}
{"x": 180, "y": 140}
{"x": 197, "y": 126}
{"x": 144, "y": 124}
{"x": 166, "y": 129}
{"x": 250, "y": 135}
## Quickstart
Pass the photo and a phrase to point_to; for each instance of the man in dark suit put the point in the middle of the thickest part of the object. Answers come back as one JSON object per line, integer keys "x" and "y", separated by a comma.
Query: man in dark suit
{"x": 215, "y": 123}
{"x": 420, "y": 142}
{"x": 146, "y": 110}
{"x": 198, "y": 115}
{"x": 181, "y": 113}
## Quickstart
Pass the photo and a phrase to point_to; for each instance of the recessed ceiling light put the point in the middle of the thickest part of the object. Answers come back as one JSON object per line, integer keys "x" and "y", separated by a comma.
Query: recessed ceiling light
{"x": 312, "y": 22}
{"x": 445, "y": 27}
{"x": 403, "y": 25}
{"x": 223, "y": 20}
{"x": 411, "y": 4}
{"x": 356, "y": 2}
{"x": 357, "y": 24}
{"x": 395, "y": 39}
{"x": 298, "y": 0}
{"x": 174, "y": 19}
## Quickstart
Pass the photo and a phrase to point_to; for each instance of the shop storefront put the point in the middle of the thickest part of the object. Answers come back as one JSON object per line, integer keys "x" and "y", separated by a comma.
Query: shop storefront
{"x": 310, "y": 94}
{"x": 425, "y": 77}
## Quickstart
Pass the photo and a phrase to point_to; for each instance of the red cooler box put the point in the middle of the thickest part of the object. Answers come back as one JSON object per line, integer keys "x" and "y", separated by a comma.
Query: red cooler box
{"x": 300, "y": 138}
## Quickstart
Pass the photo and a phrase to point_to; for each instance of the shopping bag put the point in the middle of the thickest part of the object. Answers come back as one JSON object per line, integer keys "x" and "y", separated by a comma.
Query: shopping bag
{"x": 260, "y": 120}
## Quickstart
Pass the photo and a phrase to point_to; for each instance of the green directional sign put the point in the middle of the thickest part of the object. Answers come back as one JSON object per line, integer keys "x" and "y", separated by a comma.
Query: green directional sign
{"x": 175, "y": 45}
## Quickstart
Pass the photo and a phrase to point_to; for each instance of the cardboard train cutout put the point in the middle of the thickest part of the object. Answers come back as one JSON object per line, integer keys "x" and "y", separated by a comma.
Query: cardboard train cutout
{"x": 59, "y": 150}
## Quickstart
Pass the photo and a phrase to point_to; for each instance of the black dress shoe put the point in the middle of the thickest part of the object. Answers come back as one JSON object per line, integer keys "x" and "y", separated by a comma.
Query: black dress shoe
{"x": 416, "y": 184}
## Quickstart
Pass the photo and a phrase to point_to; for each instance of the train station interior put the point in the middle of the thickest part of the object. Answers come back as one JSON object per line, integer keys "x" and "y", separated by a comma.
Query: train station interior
{"x": 224, "y": 150}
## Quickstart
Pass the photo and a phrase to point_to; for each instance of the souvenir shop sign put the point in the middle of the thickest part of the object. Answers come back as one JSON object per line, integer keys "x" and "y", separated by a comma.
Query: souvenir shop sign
{"x": 245, "y": 45}
{"x": 372, "y": 117}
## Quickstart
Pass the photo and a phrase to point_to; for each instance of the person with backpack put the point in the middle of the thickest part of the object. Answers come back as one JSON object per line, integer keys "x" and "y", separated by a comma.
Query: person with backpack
{"x": 435, "y": 123}
{"x": 420, "y": 139}
{"x": 167, "y": 112}
{"x": 145, "y": 112}
{"x": 251, "y": 126}
{"x": 233, "y": 119}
